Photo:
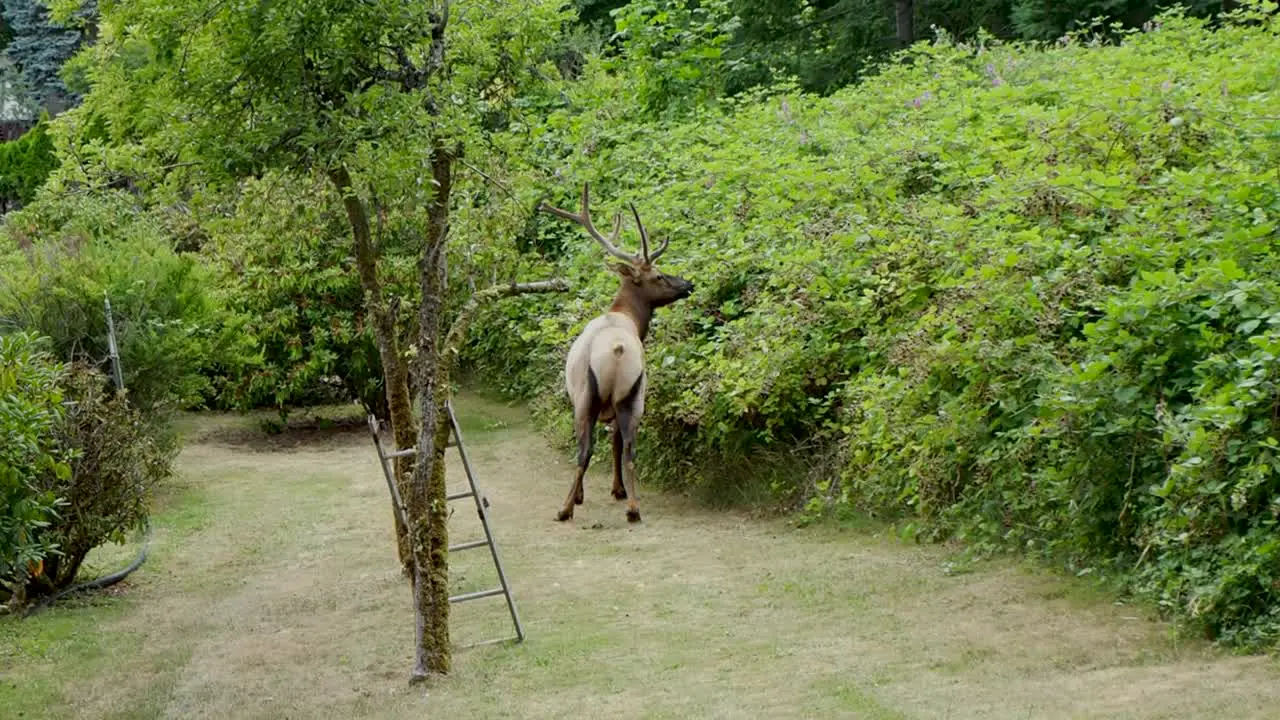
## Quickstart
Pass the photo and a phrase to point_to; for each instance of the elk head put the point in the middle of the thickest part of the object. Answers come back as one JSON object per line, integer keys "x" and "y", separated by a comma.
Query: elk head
{"x": 644, "y": 287}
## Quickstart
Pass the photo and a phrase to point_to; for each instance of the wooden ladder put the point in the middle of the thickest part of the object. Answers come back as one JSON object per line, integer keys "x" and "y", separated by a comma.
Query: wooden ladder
{"x": 482, "y": 509}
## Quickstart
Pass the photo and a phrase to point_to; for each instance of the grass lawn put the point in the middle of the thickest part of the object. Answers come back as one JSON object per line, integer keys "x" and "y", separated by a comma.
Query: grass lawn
{"x": 273, "y": 591}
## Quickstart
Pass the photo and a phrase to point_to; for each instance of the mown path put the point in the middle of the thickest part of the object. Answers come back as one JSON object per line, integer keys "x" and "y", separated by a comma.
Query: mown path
{"x": 273, "y": 592}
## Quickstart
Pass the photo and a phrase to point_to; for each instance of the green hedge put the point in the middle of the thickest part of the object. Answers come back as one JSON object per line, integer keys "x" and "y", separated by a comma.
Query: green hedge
{"x": 24, "y": 165}
{"x": 1024, "y": 296}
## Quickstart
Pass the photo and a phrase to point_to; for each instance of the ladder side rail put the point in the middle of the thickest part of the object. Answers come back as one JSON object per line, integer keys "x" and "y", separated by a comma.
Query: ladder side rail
{"x": 484, "y": 521}
{"x": 401, "y": 511}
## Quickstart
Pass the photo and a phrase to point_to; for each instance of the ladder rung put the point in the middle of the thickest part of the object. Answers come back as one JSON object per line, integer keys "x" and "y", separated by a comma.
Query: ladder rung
{"x": 476, "y": 595}
{"x": 413, "y": 451}
{"x": 460, "y": 495}
{"x": 468, "y": 545}
{"x": 498, "y": 641}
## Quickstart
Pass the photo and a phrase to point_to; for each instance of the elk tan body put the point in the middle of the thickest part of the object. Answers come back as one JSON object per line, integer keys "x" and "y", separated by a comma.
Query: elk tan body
{"x": 610, "y": 351}
{"x": 604, "y": 371}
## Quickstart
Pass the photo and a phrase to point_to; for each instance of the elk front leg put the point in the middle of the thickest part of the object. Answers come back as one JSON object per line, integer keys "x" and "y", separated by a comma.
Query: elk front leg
{"x": 619, "y": 492}
{"x": 584, "y": 425}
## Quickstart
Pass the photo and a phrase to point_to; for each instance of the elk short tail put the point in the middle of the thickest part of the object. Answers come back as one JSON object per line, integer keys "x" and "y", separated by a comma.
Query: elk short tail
{"x": 618, "y": 349}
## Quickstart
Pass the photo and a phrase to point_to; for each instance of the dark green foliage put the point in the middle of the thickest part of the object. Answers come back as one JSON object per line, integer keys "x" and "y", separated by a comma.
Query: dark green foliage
{"x": 24, "y": 165}
{"x": 1026, "y": 298}
{"x": 31, "y": 413}
{"x": 284, "y": 263}
{"x": 39, "y": 46}
{"x": 1049, "y": 19}
{"x": 597, "y": 14}
{"x": 711, "y": 48}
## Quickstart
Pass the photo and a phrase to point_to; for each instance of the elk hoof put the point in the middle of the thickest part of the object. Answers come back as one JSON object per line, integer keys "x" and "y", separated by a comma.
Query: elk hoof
{"x": 633, "y": 516}
{"x": 619, "y": 494}
{"x": 564, "y": 515}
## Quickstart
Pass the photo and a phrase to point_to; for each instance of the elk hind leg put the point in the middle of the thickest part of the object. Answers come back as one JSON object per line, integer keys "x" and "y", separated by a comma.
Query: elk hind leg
{"x": 628, "y": 422}
{"x": 619, "y": 491}
{"x": 584, "y": 422}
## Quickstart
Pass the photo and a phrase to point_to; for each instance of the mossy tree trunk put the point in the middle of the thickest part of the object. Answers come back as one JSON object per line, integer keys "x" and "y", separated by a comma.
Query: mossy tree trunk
{"x": 395, "y": 368}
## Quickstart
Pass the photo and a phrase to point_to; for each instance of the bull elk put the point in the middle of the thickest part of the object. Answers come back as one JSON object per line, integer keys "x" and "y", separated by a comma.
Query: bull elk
{"x": 604, "y": 372}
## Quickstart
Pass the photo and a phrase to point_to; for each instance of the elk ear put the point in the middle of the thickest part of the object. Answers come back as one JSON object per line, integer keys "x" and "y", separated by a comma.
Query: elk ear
{"x": 626, "y": 270}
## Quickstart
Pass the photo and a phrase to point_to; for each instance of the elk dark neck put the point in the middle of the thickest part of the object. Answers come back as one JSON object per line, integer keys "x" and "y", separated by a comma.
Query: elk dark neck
{"x": 639, "y": 310}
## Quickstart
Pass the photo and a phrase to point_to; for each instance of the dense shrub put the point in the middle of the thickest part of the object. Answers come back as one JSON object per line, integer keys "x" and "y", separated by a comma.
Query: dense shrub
{"x": 30, "y": 414}
{"x": 1025, "y": 297}
{"x": 284, "y": 261}
{"x": 63, "y": 255}
{"x": 116, "y": 461}
{"x": 108, "y": 460}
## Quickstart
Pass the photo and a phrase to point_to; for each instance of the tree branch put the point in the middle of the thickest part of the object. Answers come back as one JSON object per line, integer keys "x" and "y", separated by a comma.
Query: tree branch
{"x": 458, "y": 332}
{"x": 496, "y": 183}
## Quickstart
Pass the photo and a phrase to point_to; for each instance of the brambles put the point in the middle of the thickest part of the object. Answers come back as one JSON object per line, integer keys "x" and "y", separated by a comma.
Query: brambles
{"x": 1025, "y": 297}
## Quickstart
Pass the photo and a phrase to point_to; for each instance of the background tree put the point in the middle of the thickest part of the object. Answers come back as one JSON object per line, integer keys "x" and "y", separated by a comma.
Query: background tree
{"x": 904, "y": 21}
{"x": 25, "y": 163}
{"x": 365, "y": 94}
{"x": 828, "y": 44}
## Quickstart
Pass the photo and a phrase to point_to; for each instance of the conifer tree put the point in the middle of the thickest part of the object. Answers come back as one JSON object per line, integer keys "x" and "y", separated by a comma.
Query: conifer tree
{"x": 39, "y": 46}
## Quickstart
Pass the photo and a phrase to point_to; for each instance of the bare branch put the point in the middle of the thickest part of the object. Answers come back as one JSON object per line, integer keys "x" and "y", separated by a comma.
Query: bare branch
{"x": 439, "y": 23}
{"x": 457, "y": 333}
{"x": 489, "y": 179}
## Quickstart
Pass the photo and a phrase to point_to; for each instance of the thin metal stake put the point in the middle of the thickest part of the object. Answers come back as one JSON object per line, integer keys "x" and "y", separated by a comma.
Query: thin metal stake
{"x": 111, "y": 345}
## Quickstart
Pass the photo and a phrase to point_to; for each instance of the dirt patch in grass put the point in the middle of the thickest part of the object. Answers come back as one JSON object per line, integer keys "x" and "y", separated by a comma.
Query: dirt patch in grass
{"x": 274, "y": 591}
{"x": 263, "y": 432}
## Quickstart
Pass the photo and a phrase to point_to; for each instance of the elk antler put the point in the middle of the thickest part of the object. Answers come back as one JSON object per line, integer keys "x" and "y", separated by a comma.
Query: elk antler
{"x": 584, "y": 219}
{"x": 644, "y": 239}
{"x": 644, "y": 236}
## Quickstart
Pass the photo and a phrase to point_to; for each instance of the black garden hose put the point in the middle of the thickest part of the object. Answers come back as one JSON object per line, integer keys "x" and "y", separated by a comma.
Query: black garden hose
{"x": 102, "y": 582}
